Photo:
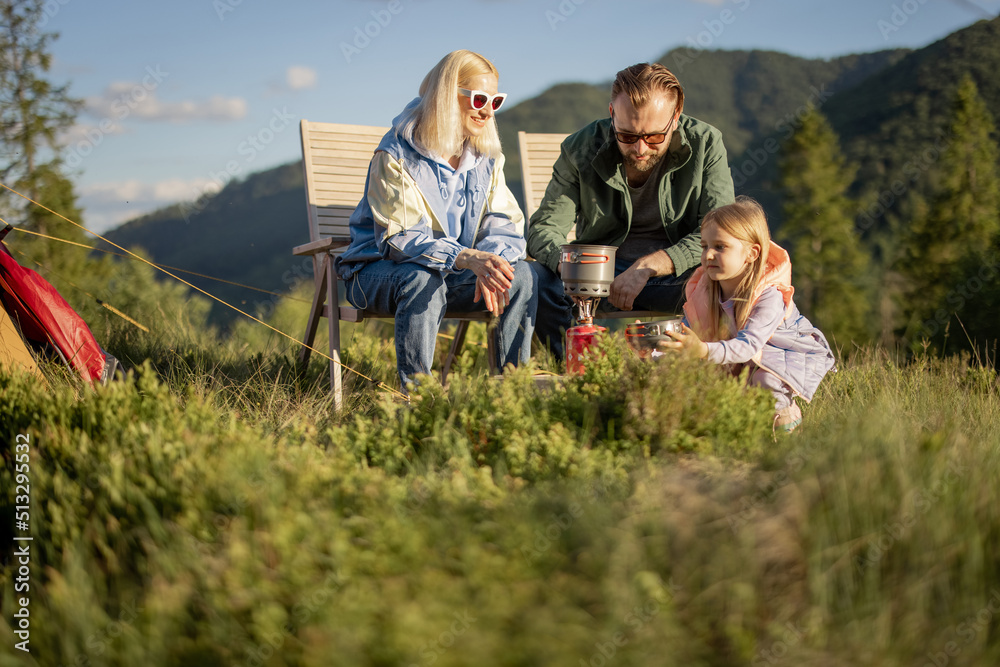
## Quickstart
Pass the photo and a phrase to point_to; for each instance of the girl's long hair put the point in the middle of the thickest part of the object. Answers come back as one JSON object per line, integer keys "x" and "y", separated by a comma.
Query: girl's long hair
{"x": 436, "y": 122}
{"x": 745, "y": 221}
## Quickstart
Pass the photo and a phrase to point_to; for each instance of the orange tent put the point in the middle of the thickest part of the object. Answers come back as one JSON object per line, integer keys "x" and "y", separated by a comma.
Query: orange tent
{"x": 14, "y": 354}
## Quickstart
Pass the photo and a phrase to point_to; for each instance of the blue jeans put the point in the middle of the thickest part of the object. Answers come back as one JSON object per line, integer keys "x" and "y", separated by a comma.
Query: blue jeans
{"x": 555, "y": 309}
{"x": 417, "y": 297}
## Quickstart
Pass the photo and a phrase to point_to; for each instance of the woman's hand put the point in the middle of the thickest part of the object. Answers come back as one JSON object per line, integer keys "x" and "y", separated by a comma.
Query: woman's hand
{"x": 495, "y": 301}
{"x": 493, "y": 277}
{"x": 686, "y": 341}
{"x": 493, "y": 270}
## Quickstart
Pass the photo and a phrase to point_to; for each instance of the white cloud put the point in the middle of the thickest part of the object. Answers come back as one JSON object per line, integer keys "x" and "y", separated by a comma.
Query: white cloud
{"x": 298, "y": 77}
{"x": 88, "y": 132}
{"x": 122, "y": 100}
{"x": 108, "y": 205}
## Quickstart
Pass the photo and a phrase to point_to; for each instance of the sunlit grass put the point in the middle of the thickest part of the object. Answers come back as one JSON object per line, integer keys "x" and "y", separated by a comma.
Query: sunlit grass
{"x": 215, "y": 509}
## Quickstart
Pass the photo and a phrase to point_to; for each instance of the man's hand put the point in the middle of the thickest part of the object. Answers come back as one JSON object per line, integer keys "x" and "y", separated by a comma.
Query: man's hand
{"x": 627, "y": 285}
{"x": 686, "y": 341}
{"x": 493, "y": 277}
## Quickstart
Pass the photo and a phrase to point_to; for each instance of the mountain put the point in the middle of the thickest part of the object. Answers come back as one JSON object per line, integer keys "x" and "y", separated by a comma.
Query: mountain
{"x": 891, "y": 123}
{"x": 745, "y": 94}
{"x": 887, "y": 107}
{"x": 244, "y": 233}
{"x": 891, "y": 117}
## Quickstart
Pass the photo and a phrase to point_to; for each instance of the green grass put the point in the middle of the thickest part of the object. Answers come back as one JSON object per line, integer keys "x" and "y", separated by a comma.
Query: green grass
{"x": 214, "y": 509}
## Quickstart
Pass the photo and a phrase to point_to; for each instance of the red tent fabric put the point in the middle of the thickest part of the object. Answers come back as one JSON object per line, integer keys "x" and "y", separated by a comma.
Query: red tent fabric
{"x": 44, "y": 318}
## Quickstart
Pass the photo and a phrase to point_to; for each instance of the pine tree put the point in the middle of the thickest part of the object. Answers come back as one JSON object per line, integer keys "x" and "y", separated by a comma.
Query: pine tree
{"x": 32, "y": 111}
{"x": 949, "y": 250}
{"x": 830, "y": 265}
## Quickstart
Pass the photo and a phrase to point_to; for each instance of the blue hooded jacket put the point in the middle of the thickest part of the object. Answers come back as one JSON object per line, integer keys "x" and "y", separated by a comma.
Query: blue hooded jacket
{"x": 417, "y": 208}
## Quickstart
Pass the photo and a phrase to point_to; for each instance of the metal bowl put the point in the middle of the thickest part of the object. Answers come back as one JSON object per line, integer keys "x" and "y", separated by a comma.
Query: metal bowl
{"x": 644, "y": 337}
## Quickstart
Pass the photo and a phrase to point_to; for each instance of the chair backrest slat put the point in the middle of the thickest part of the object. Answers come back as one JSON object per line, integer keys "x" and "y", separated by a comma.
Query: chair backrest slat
{"x": 335, "y": 159}
{"x": 539, "y": 152}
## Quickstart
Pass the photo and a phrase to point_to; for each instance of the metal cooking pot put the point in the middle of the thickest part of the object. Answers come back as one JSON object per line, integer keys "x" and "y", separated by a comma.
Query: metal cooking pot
{"x": 587, "y": 270}
{"x": 645, "y": 337}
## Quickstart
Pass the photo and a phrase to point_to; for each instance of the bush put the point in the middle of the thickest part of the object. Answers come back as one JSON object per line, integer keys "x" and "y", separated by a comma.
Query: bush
{"x": 639, "y": 513}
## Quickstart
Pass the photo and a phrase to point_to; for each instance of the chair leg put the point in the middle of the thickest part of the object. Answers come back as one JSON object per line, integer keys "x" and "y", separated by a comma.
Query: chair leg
{"x": 491, "y": 348}
{"x": 456, "y": 347}
{"x": 316, "y": 312}
{"x": 333, "y": 320}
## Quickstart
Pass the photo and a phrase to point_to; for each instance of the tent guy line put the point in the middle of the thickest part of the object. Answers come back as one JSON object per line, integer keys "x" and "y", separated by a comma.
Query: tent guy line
{"x": 377, "y": 383}
{"x": 441, "y": 334}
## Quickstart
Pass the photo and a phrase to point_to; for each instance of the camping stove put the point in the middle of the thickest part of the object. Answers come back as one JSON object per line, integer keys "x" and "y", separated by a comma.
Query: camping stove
{"x": 587, "y": 272}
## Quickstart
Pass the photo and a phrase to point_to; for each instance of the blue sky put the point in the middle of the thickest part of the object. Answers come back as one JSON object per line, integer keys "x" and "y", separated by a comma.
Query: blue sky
{"x": 184, "y": 95}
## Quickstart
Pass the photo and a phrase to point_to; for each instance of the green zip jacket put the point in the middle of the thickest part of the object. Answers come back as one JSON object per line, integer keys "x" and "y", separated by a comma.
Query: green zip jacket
{"x": 588, "y": 188}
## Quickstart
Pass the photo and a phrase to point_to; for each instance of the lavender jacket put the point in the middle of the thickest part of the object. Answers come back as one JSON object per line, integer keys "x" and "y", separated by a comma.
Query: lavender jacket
{"x": 780, "y": 340}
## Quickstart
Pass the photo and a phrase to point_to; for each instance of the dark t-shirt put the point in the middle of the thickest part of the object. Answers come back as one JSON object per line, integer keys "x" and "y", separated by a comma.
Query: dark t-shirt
{"x": 647, "y": 233}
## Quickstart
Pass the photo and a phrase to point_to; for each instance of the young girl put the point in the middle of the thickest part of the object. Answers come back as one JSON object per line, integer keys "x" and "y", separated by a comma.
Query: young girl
{"x": 740, "y": 311}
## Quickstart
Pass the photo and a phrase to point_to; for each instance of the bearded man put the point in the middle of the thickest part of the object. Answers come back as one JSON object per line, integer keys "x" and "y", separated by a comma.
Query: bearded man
{"x": 641, "y": 181}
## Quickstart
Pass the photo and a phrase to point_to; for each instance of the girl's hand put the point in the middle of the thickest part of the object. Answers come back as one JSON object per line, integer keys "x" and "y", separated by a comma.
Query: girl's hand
{"x": 686, "y": 341}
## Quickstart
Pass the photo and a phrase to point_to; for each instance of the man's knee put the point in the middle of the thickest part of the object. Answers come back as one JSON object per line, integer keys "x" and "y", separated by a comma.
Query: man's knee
{"x": 543, "y": 274}
{"x": 548, "y": 285}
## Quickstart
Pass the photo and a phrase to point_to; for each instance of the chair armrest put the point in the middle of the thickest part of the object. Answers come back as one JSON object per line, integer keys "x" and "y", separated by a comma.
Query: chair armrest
{"x": 322, "y": 245}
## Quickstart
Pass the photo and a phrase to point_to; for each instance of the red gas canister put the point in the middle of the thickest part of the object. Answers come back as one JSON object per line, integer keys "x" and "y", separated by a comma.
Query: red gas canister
{"x": 578, "y": 340}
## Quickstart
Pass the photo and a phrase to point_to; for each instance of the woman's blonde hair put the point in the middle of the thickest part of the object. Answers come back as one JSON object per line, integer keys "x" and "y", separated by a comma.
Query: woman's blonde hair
{"x": 436, "y": 122}
{"x": 745, "y": 221}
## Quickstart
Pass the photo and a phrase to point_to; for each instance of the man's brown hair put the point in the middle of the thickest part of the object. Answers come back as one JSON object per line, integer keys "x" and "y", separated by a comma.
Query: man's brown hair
{"x": 642, "y": 81}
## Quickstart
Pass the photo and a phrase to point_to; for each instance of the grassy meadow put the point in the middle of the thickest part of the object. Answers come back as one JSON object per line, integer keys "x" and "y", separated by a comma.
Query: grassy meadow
{"x": 214, "y": 509}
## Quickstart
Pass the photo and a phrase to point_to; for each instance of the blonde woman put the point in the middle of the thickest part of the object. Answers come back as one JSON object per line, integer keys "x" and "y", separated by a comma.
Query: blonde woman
{"x": 438, "y": 228}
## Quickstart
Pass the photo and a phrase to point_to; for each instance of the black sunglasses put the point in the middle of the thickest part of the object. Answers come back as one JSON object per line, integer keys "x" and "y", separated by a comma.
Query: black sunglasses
{"x": 653, "y": 139}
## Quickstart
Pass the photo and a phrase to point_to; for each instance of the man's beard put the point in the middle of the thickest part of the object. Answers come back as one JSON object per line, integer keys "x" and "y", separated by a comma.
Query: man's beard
{"x": 646, "y": 165}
